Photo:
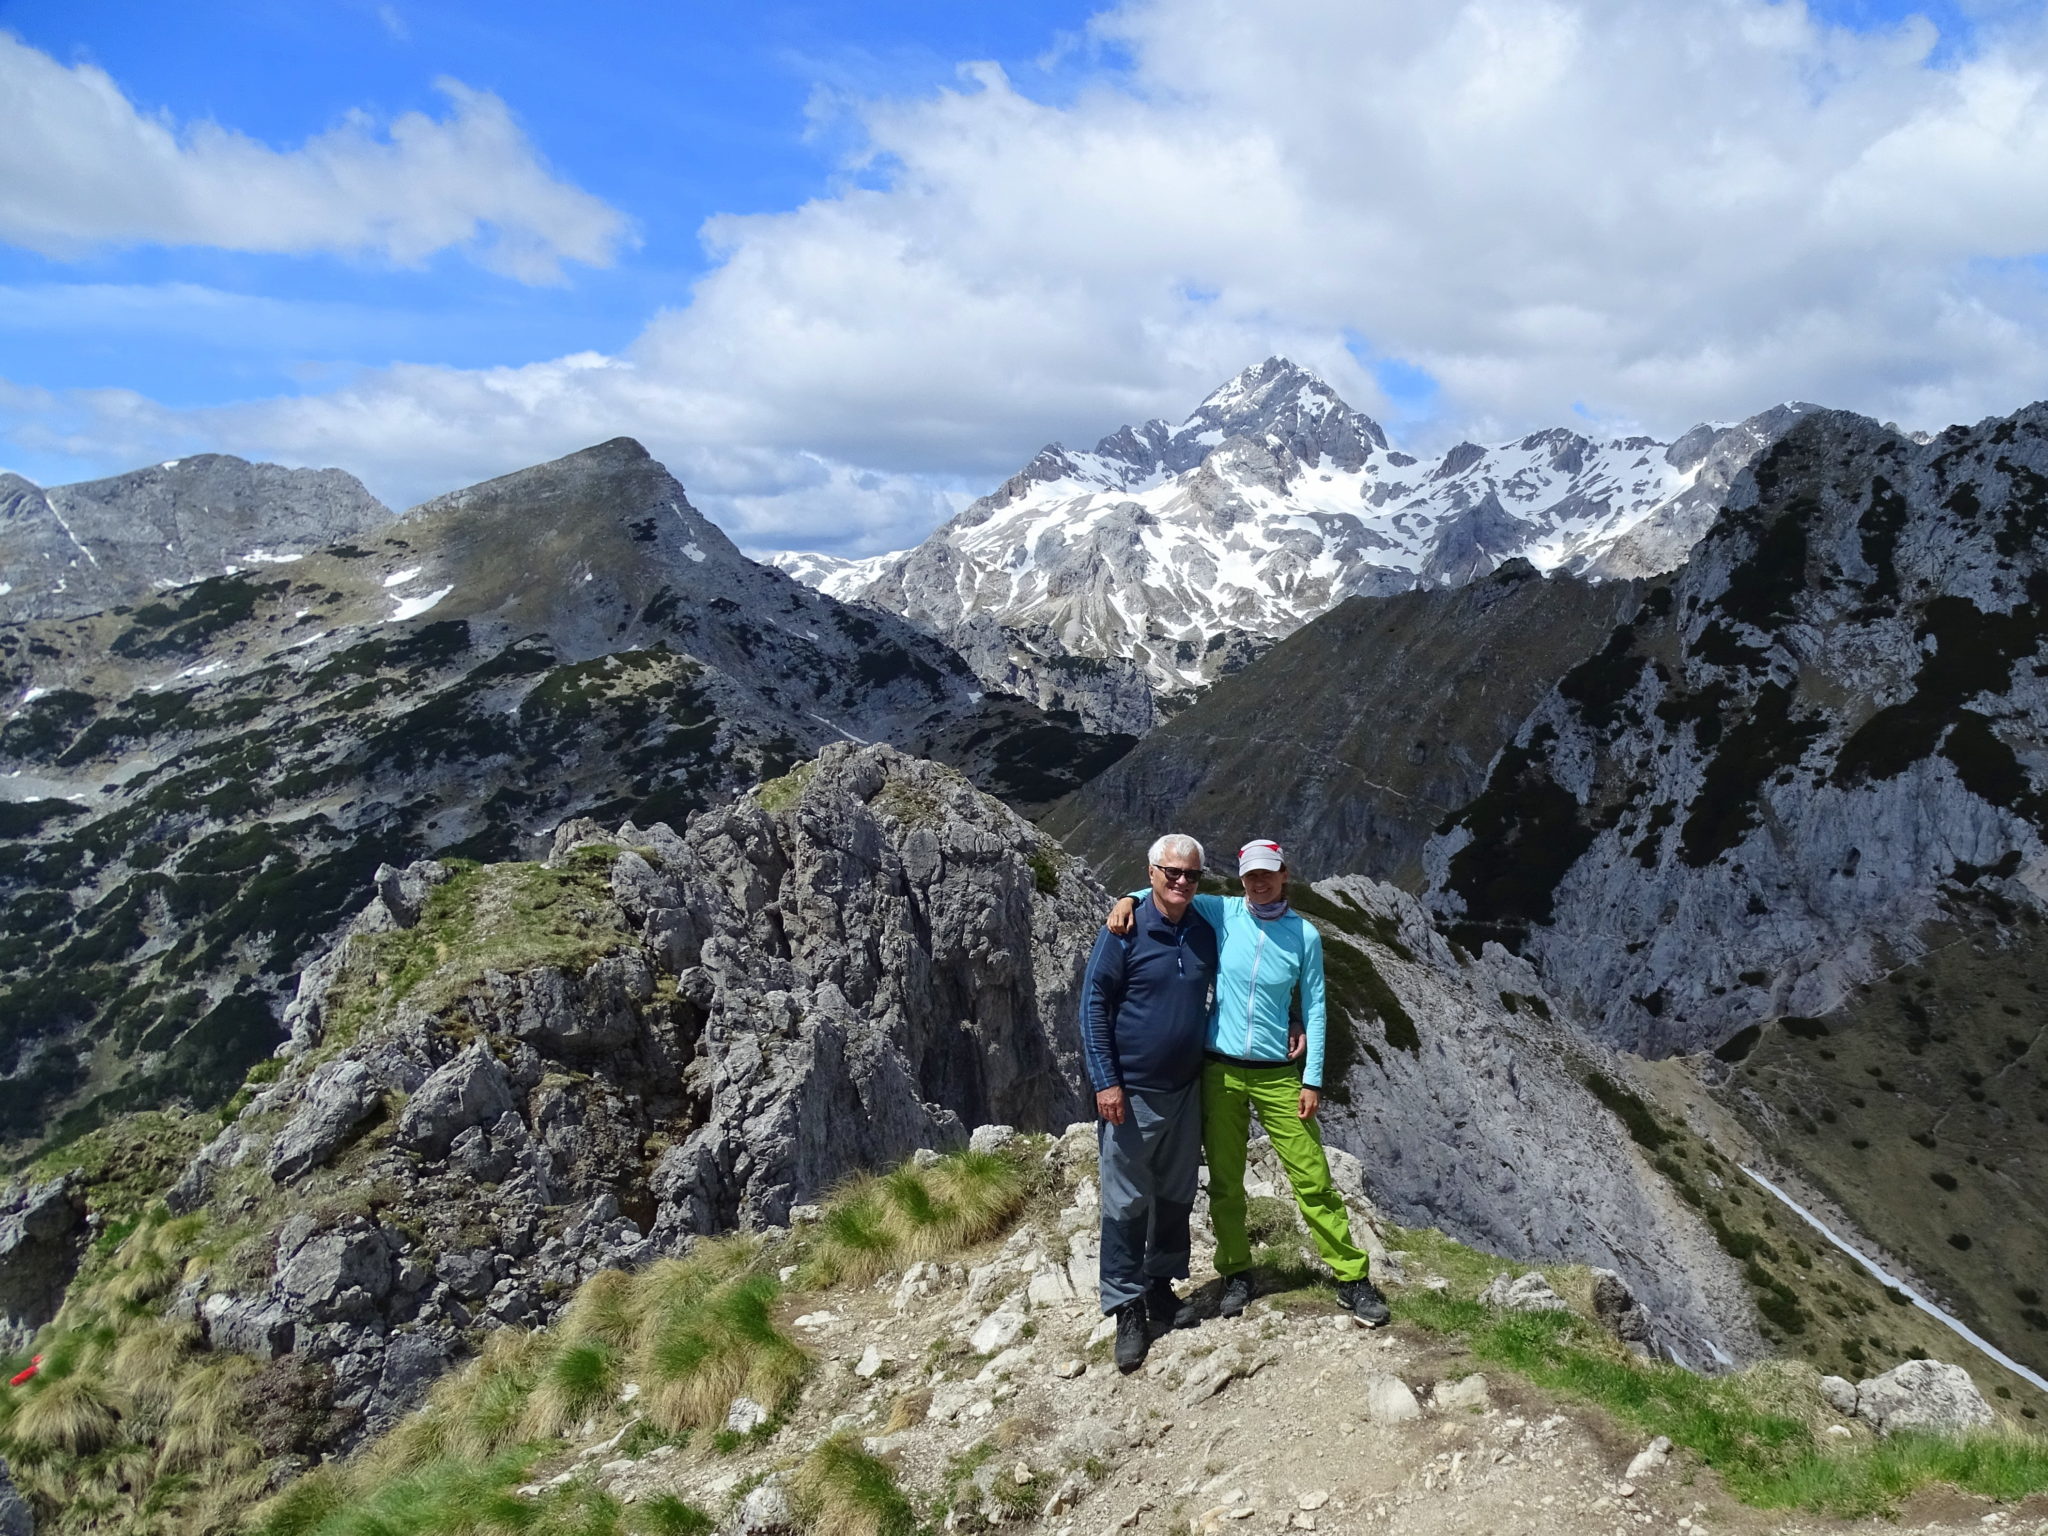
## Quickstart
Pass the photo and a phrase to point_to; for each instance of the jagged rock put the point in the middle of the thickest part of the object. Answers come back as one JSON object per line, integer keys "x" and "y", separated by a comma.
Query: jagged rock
{"x": 342, "y": 1271}
{"x": 998, "y": 1331}
{"x": 1618, "y": 1311}
{"x": 42, "y": 1235}
{"x": 495, "y": 649}
{"x": 1923, "y": 1394}
{"x": 991, "y": 1138}
{"x": 257, "y": 1326}
{"x": 470, "y": 1090}
{"x": 16, "y": 1518}
{"x": 1525, "y": 1293}
{"x": 1390, "y": 1400}
{"x": 338, "y": 1097}
{"x": 1839, "y": 1393}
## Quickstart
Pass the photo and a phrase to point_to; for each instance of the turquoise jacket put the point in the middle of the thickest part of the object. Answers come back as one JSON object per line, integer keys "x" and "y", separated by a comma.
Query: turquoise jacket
{"x": 1261, "y": 964}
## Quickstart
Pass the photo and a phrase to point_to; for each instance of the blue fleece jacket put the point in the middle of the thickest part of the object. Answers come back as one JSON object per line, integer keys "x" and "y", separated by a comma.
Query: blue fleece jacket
{"x": 1145, "y": 1003}
{"x": 1263, "y": 962}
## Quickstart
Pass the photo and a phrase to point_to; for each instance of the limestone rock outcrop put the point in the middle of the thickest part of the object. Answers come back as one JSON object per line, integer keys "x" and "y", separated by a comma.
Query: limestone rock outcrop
{"x": 652, "y": 1037}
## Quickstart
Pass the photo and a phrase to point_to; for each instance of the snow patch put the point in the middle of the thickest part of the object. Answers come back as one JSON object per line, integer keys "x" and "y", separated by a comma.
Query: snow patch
{"x": 400, "y": 578}
{"x": 694, "y": 552}
{"x": 1960, "y": 1329}
{"x": 267, "y": 557}
{"x": 413, "y": 607}
{"x": 33, "y": 694}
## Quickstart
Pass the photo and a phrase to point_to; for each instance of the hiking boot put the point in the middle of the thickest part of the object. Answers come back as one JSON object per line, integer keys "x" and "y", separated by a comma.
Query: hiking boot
{"x": 1237, "y": 1293}
{"x": 1133, "y": 1336}
{"x": 1362, "y": 1299}
{"x": 1166, "y": 1308}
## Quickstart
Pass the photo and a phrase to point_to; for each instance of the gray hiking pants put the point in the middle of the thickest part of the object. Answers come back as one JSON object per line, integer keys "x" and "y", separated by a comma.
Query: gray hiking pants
{"x": 1148, "y": 1168}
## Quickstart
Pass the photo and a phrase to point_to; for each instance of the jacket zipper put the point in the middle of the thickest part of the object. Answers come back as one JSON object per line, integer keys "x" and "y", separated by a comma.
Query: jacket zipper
{"x": 1251, "y": 990}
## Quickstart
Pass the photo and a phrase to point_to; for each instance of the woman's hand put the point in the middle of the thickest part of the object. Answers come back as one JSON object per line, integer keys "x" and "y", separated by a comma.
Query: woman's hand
{"x": 1311, "y": 1100}
{"x": 1123, "y": 917}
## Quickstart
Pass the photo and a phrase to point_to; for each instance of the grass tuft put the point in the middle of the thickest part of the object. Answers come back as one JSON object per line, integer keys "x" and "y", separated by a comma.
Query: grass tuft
{"x": 840, "y": 1490}
{"x": 877, "y": 1222}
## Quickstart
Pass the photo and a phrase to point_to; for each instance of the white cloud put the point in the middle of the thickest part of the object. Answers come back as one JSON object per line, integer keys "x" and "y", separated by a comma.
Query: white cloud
{"x": 1558, "y": 208}
{"x": 81, "y": 167}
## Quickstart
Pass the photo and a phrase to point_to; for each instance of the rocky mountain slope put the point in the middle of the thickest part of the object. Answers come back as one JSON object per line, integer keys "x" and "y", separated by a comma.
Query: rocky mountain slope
{"x": 197, "y": 789}
{"x": 1792, "y": 814}
{"x": 1356, "y": 736}
{"x": 1176, "y": 553}
{"x": 507, "y": 1075}
{"x": 509, "y": 1080}
{"x": 71, "y": 550}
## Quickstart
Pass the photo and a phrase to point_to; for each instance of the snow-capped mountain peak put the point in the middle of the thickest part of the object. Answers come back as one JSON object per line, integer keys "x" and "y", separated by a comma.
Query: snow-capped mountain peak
{"x": 1178, "y": 551}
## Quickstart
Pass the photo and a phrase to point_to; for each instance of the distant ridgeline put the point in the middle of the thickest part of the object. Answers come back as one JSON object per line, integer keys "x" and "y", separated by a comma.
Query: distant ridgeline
{"x": 202, "y": 784}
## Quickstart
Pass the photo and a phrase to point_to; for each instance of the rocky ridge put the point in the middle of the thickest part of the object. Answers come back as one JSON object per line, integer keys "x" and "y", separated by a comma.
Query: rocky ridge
{"x": 197, "y": 789}
{"x": 1174, "y": 554}
{"x": 72, "y": 550}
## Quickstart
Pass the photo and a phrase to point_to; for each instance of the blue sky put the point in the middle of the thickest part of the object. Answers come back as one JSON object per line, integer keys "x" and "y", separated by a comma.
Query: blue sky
{"x": 845, "y": 266}
{"x": 670, "y": 113}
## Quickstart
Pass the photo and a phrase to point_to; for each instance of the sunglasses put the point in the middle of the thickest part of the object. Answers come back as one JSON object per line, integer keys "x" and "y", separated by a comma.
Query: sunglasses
{"x": 1174, "y": 876}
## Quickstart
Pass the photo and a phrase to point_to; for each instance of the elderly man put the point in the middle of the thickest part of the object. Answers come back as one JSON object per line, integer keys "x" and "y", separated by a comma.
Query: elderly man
{"x": 1144, "y": 1014}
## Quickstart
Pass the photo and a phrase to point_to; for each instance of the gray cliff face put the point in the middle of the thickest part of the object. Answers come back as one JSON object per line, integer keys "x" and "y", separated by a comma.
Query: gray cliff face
{"x": 866, "y": 958}
{"x": 76, "y": 549}
{"x": 1824, "y": 735}
{"x": 1352, "y": 739}
{"x": 1472, "y": 1115}
{"x": 195, "y": 791}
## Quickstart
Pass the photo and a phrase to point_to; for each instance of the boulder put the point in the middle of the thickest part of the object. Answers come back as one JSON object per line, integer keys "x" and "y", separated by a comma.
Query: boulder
{"x": 337, "y": 1098}
{"x": 470, "y": 1090}
{"x": 1618, "y": 1311}
{"x": 991, "y": 1138}
{"x": 1924, "y": 1395}
{"x": 1525, "y": 1293}
{"x": 1651, "y": 1458}
{"x": 1839, "y": 1393}
{"x": 1389, "y": 1400}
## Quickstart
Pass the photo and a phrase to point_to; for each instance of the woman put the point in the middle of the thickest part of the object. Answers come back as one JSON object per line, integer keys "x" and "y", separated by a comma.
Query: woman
{"x": 1268, "y": 952}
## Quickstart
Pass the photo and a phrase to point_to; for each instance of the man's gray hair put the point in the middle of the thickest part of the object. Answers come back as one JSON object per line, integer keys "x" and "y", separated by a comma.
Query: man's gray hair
{"x": 1175, "y": 843}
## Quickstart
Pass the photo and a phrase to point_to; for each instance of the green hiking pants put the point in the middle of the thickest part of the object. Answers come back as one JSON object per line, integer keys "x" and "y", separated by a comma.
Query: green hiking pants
{"x": 1229, "y": 1095}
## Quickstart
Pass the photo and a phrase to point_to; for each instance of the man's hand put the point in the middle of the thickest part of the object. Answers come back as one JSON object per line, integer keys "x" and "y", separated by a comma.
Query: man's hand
{"x": 1297, "y": 1044}
{"x": 1311, "y": 1100}
{"x": 1110, "y": 1105}
{"x": 1123, "y": 917}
